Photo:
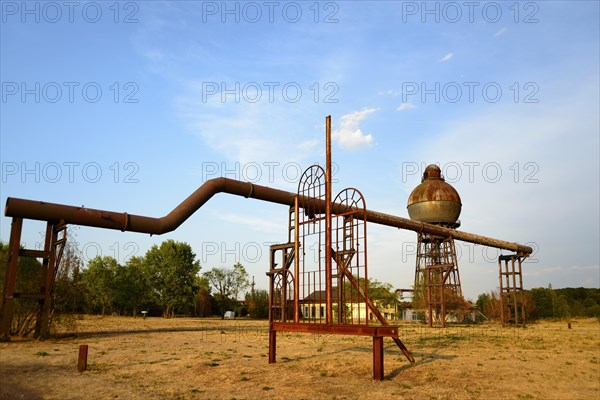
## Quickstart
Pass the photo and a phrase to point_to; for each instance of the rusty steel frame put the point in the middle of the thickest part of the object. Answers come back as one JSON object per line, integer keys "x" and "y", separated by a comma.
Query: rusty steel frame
{"x": 436, "y": 273}
{"x": 60, "y": 215}
{"x": 51, "y": 256}
{"x": 349, "y": 258}
{"x": 512, "y": 306}
{"x": 311, "y": 227}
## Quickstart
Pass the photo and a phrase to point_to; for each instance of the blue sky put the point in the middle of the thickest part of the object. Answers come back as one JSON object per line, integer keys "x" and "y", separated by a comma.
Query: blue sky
{"x": 130, "y": 106}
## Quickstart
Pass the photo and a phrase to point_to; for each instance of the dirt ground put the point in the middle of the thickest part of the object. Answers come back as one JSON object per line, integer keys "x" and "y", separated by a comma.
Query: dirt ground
{"x": 157, "y": 358}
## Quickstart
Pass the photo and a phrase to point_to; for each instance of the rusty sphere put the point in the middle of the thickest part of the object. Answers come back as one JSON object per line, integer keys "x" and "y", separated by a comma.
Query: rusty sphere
{"x": 434, "y": 201}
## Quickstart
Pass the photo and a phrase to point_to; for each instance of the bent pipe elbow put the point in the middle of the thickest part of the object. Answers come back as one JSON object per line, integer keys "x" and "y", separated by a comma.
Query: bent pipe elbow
{"x": 191, "y": 204}
{"x": 52, "y": 212}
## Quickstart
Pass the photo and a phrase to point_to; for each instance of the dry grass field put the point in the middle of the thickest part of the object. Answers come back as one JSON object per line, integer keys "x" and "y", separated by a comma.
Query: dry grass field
{"x": 157, "y": 358}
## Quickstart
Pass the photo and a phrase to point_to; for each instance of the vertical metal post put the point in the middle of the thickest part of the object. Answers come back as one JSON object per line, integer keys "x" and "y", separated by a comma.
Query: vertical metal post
{"x": 515, "y": 291}
{"x": 57, "y": 246}
{"x": 378, "y": 358}
{"x": 296, "y": 263}
{"x": 328, "y": 240}
{"x": 82, "y": 359}
{"x": 442, "y": 298}
{"x": 501, "y": 291}
{"x": 48, "y": 240}
{"x": 521, "y": 291}
{"x": 272, "y": 315}
{"x": 10, "y": 279}
{"x": 272, "y": 346}
{"x": 284, "y": 286}
{"x": 508, "y": 289}
{"x": 429, "y": 305}
{"x": 365, "y": 255}
{"x": 455, "y": 263}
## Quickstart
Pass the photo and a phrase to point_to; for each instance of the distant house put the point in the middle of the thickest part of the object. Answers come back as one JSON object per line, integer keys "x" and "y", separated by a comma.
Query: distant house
{"x": 469, "y": 314}
{"x": 407, "y": 312}
{"x": 313, "y": 306}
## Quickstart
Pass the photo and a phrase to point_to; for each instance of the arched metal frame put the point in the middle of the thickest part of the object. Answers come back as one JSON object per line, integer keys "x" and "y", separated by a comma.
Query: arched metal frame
{"x": 350, "y": 254}
{"x": 330, "y": 292}
{"x": 310, "y": 246}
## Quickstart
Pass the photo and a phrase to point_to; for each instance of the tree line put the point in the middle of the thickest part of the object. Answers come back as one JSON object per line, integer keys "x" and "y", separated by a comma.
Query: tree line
{"x": 166, "y": 281}
{"x": 547, "y": 303}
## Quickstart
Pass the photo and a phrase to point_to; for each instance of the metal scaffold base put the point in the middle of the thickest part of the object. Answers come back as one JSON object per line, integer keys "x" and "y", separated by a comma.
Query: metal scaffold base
{"x": 54, "y": 244}
{"x": 436, "y": 276}
{"x": 512, "y": 304}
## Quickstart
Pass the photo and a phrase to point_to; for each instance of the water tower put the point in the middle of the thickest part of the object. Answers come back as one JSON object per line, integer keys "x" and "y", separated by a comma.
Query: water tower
{"x": 437, "y": 281}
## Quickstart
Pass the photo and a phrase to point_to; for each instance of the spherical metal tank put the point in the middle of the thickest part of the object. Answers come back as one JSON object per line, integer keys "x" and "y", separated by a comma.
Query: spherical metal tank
{"x": 434, "y": 200}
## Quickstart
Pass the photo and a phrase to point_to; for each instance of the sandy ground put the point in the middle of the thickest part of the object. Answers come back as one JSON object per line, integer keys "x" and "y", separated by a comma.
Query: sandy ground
{"x": 181, "y": 358}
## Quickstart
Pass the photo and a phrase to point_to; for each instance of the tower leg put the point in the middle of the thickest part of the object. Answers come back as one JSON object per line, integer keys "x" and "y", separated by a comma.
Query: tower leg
{"x": 512, "y": 307}
{"x": 10, "y": 279}
{"x": 436, "y": 276}
{"x": 43, "y": 316}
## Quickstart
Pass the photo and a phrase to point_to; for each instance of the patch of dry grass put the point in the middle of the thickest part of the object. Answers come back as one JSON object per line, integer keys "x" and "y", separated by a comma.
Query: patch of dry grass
{"x": 160, "y": 358}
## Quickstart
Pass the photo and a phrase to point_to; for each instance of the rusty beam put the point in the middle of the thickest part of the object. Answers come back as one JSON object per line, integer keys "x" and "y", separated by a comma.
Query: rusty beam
{"x": 43, "y": 211}
{"x": 336, "y": 329}
{"x": 34, "y": 253}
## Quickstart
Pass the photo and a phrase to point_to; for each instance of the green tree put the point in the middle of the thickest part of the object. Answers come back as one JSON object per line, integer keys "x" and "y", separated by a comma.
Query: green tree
{"x": 203, "y": 299}
{"x": 68, "y": 288}
{"x": 258, "y": 303}
{"x": 69, "y": 291}
{"x": 489, "y": 305}
{"x": 171, "y": 270}
{"x": 382, "y": 293}
{"x": 549, "y": 303}
{"x": 132, "y": 289}
{"x": 99, "y": 281}
{"x": 228, "y": 283}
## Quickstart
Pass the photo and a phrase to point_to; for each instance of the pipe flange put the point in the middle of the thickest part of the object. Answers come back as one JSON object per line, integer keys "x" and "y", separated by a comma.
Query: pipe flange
{"x": 126, "y": 222}
{"x": 251, "y": 190}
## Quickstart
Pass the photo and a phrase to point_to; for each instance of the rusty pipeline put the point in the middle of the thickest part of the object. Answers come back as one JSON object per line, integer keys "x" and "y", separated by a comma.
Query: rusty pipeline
{"x": 43, "y": 211}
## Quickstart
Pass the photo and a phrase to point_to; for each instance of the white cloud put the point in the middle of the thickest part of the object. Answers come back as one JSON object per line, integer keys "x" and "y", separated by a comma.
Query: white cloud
{"x": 154, "y": 55}
{"x": 349, "y": 135}
{"x": 447, "y": 57}
{"x": 405, "y": 106}
{"x": 242, "y": 132}
{"x": 308, "y": 144}
{"x": 565, "y": 270}
{"x": 258, "y": 224}
{"x": 501, "y": 31}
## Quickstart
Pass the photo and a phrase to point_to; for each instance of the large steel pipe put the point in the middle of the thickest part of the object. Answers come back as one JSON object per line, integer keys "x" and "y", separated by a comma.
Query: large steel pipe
{"x": 44, "y": 211}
